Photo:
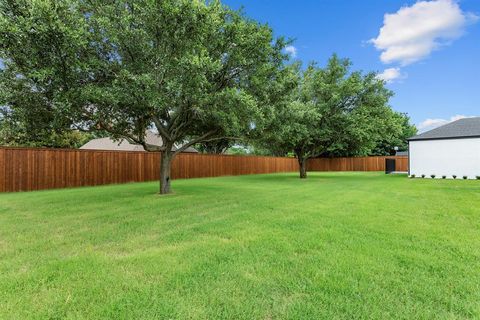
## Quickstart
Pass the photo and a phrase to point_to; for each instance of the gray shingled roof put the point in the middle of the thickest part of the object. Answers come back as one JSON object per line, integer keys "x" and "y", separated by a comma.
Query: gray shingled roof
{"x": 123, "y": 145}
{"x": 463, "y": 128}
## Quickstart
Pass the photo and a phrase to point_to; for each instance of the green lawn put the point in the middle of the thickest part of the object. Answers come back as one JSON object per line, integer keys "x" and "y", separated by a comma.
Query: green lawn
{"x": 336, "y": 246}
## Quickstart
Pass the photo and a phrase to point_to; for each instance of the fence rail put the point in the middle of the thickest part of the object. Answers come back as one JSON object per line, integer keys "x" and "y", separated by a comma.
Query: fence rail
{"x": 356, "y": 164}
{"x": 25, "y": 169}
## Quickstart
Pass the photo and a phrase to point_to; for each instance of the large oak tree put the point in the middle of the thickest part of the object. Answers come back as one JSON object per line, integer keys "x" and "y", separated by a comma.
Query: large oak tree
{"x": 193, "y": 70}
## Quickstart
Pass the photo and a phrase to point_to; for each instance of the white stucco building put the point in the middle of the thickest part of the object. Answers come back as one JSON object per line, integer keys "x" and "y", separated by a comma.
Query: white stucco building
{"x": 452, "y": 149}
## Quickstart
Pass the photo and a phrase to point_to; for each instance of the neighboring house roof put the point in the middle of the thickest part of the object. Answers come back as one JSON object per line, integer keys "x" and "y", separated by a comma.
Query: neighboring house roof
{"x": 401, "y": 153}
{"x": 463, "y": 128}
{"x": 123, "y": 145}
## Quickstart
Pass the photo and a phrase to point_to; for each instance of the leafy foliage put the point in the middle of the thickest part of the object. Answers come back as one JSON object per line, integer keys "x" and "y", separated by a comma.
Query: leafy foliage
{"x": 38, "y": 47}
{"x": 195, "y": 70}
{"x": 336, "y": 112}
{"x": 216, "y": 146}
{"x": 376, "y": 131}
{"x": 19, "y": 136}
{"x": 35, "y": 127}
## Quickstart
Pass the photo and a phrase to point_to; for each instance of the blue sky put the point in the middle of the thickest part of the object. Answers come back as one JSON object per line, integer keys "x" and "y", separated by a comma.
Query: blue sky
{"x": 431, "y": 48}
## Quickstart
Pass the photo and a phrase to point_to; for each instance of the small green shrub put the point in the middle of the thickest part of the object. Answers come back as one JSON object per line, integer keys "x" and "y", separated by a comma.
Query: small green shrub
{"x": 444, "y": 177}
{"x": 454, "y": 177}
{"x": 432, "y": 176}
{"x": 412, "y": 176}
{"x": 478, "y": 177}
{"x": 423, "y": 176}
{"x": 465, "y": 177}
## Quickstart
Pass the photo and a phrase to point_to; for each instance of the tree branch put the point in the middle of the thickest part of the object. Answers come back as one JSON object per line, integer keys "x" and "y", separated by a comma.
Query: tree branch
{"x": 133, "y": 139}
{"x": 161, "y": 129}
{"x": 202, "y": 138}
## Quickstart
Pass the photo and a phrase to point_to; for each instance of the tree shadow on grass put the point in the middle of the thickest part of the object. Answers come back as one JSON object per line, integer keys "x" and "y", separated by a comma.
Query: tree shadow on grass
{"x": 316, "y": 175}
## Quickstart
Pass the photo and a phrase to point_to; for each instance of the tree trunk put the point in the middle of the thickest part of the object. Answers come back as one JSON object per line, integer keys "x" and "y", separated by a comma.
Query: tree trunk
{"x": 165, "y": 169}
{"x": 303, "y": 167}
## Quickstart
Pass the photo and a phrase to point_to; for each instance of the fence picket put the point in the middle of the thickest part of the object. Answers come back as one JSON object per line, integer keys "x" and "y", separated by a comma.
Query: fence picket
{"x": 25, "y": 169}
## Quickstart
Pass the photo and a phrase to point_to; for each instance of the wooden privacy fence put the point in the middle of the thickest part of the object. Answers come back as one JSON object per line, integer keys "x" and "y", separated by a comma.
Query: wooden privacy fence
{"x": 356, "y": 164}
{"x": 24, "y": 169}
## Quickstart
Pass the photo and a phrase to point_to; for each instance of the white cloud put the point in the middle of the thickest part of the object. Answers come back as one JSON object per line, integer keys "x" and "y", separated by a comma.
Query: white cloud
{"x": 391, "y": 74}
{"x": 412, "y": 33}
{"x": 430, "y": 124}
{"x": 291, "y": 50}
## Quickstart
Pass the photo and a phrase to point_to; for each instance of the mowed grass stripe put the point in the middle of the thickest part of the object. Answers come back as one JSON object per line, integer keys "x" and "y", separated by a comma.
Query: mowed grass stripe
{"x": 337, "y": 245}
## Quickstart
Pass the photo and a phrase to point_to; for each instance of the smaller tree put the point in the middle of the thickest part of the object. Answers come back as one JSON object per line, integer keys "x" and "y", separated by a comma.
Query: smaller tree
{"x": 323, "y": 113}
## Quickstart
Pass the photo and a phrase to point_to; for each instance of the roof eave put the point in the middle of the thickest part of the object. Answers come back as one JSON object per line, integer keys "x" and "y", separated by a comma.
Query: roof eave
{"x": 443, "y": 138}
